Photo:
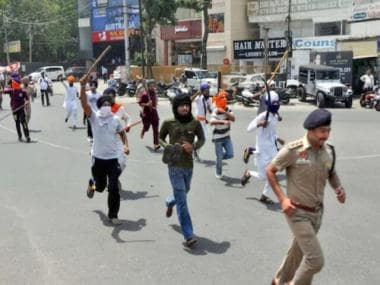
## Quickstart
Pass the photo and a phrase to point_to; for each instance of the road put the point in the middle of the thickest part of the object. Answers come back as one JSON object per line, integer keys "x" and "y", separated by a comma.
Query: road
{"x": 53, "y": 234}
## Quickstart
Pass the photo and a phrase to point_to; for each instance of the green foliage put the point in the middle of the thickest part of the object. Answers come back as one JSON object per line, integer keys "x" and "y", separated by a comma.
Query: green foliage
{"x": 53, "y": 25}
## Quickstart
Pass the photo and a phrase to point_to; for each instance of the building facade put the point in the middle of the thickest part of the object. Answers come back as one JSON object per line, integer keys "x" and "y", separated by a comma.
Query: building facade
{"x": 343, "y": 32}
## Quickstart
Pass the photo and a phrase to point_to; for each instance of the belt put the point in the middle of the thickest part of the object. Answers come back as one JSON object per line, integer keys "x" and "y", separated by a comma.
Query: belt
{"x": 307, "y": 208}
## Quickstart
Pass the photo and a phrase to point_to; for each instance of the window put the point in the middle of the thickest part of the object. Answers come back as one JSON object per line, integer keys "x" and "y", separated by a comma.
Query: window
{"x": 189, "y": 74}
{"x": 302, "y": 75}
{"x": 328, "y": 29}
{"x": 312, "y": 75}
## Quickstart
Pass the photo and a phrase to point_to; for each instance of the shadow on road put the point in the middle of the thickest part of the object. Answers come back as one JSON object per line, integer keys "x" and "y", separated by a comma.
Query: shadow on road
{"x": 130, "y": 195}
{"x": 132, "y": 226}
{"x": 232, "y": 182}
{"x": 205, "y": 245}
{"x": 272, "y": 207}
{"x": 152, "y": 150}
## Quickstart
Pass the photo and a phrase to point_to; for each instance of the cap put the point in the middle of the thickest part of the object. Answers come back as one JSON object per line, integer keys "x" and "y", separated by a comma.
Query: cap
{"x": 317, "y": 118}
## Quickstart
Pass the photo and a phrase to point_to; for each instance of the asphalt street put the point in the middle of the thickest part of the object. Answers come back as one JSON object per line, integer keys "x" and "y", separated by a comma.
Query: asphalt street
{"x": 51, "y": 233}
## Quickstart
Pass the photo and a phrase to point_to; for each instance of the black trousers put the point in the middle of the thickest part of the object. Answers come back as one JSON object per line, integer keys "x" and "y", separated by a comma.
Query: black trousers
{"x": 108, "y": 170}
{"x": 45, "y": 93}
{"x": 89, "y": 129}
{"x": 20, "y": 120}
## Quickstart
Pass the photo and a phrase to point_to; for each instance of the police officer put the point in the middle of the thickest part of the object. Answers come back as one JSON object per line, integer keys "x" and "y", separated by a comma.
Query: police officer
{"x": 309, "y": 163}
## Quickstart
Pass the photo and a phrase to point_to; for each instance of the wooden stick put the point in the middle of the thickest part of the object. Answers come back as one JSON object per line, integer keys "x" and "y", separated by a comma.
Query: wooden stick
{"x": 132, "y": 125}
{"x": 99, "y": 58}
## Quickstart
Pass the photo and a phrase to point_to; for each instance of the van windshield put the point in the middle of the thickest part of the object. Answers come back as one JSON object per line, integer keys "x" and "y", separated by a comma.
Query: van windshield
{"x": 328, "y": 75}
{"x": 202, "y": 74}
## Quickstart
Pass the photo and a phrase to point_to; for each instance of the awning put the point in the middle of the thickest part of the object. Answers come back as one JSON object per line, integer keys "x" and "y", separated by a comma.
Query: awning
{"x": 360, "y": 49}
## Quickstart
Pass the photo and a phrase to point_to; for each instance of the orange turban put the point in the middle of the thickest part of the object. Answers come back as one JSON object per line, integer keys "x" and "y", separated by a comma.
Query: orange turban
{"x": 220, "y": 100}
{"x": 71, "y": 79}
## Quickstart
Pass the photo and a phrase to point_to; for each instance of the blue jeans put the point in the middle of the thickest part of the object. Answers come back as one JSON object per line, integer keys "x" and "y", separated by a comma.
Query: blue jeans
{"x": 180, "y": 179}
{"x": 223, "y": 150}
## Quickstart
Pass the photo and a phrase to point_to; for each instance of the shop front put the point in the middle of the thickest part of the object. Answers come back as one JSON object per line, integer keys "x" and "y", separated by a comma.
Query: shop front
{"x": 182, "y": 43}
{"x": 365, "y": 54}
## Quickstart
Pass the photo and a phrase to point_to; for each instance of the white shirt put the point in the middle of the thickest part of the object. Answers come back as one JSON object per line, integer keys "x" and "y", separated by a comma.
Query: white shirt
{"x": 106, "y": 137}
{"x": 368, "y": 80}
{"x": 44, "y": 83}
{"x": 202, "y": 105}
{"x": 125, "y": 120}
{"x": 92, "y": 98}
{"x": 71, "y": 93}
{"x": 265, "y": 137}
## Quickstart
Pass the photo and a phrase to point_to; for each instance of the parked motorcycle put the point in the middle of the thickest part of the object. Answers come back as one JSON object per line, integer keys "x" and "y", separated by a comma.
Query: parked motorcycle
{"x": 367, "y": 99}
{"x": 162, "y": 89}
{"x": 249, "y": 96}
{"x": 376, "y": 102}
{"x": 131, "y": 88}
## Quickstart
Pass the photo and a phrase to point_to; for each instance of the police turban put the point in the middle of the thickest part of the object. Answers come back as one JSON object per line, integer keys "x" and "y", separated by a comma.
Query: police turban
{"x": 317, "y": 118}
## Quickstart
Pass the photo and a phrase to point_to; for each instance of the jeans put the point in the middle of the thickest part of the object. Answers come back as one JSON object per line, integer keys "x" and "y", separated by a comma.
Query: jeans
{"x": 20, "y": 120}
{"x": 107, "y": 172}
{"x": 223, "y": 150}
{"x": 45, "y": 93}
{"x": 180, "y": 179}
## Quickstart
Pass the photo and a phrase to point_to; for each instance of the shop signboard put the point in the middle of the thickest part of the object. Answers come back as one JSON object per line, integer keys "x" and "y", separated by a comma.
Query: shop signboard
{"x": 314, "y": 43}
{"x": 248, "y": 49}
{"x": 341, "y": 60}
{"x": 191, "y": 29}
{"x": 273, "y": 7}
{"x": 365, "y": 10}
{"x": 107, "y": 19}
{"x": 13, "y": 47}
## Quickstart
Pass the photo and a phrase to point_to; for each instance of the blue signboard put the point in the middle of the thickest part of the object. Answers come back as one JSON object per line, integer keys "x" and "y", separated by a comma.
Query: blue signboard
{"x": 108, "y": 15}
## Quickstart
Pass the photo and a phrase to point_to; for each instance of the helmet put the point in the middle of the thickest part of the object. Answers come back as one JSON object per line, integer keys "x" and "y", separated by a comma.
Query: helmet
{"x": 204, "y": 86}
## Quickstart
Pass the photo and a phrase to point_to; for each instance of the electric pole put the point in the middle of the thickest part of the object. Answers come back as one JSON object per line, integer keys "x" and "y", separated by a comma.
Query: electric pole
{"x": 288, "y": 41}
{"x": 266, "y": 52}
{"x": 126, "y": 39}
{"x": 142, "y": 40}
{"x": 30, "y": 43}
{"x": 6, "y": 39}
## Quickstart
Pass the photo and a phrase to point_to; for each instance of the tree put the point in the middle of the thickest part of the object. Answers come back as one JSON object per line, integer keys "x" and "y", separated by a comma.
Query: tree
{"x": 156, "y": 12}
{"x": 49, "y": 25}
{"x": 200, "y": 6}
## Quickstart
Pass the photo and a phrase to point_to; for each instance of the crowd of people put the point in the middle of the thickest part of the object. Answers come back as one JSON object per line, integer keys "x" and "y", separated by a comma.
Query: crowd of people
{"x": 309, "y": 162}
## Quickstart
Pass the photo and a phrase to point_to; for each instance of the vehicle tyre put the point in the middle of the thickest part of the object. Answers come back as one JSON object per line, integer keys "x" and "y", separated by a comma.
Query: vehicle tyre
{"x": 362, "y": 102}
{"x": 348, "y": 103}
{"x": 285, "y": 100}
{"x": 60, "y": 77}
{"x": 301, "y": 94}
{"x": 320, "y": 100}
{"x": 377, "y": 107}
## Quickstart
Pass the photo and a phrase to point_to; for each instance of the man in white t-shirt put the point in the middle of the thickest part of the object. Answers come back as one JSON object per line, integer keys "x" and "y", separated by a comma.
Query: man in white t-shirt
{"x": 107, "y": 131}
{"x": 368, "y": 81}
{"x": 44, "y": 88}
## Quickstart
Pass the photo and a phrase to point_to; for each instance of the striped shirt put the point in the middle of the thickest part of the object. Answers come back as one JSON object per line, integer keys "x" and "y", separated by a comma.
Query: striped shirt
{"x": 220, "y": 131}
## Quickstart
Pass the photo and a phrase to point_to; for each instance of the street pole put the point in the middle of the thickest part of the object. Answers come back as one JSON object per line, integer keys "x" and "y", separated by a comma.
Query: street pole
{"x": 30, "y": 43}
{"x": 126, "y": 39}
{"x": 266, "y": 55}
{"x": 6, "y": 39}
{"x": 288, "y": 41}
{"x": 142, "y": 40}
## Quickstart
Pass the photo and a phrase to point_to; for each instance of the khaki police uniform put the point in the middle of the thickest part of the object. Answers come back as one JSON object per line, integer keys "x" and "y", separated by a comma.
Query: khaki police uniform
{"x": 307, "y": 171}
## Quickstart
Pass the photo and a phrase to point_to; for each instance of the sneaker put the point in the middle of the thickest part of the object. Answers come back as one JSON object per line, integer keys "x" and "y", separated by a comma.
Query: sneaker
{"x": 74, "y": 127}
{"x": 115, "y": 221}
{"x": 91, "y": 189}
{"x": 169, "y": 212}
{"x": 266, "y": 200}
{"x": 66, "y": 120}
{"x": 244, "y": 180}
{"x": 196, "y": 156}
{"x": 20, "y": 139}
{"x": 90, "y": 139}
{"x": 28, "y": 140}
{"x": 219, "y": 176}
{"x": 190, "y": 242}
{"x": 247, "y": 153}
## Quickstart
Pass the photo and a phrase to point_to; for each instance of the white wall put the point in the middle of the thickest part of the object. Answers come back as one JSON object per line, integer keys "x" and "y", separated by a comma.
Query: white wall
{"x": 365, "y": 29}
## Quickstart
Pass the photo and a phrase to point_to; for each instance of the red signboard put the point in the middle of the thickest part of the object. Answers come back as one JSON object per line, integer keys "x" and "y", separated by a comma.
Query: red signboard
{"x": 182, "y": 30}
{"x": 107, "y": 36}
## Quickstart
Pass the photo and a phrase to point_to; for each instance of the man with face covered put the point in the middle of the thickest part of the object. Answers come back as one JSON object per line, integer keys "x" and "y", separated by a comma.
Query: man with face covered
{"x": 70, "y": 102}
{"x": 182, "y": 131}
{"x": 265, "y": 125}
{"x": 107, "y": 130}
{"x": 92, "y": 98}
{"x": 309, "y": 163}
